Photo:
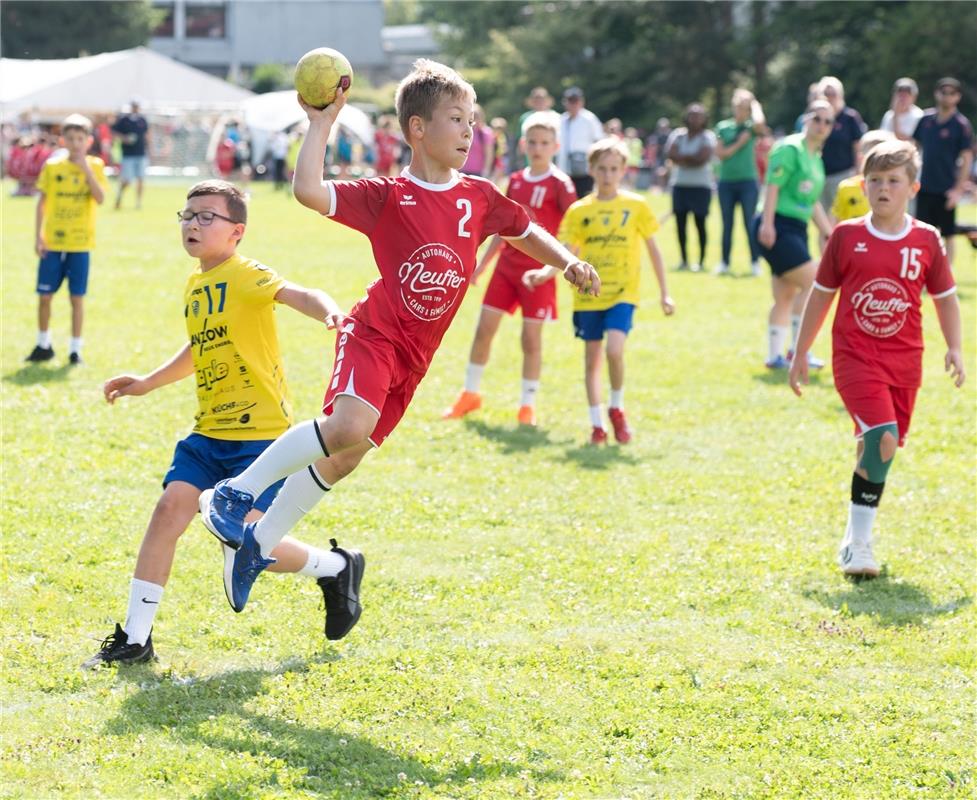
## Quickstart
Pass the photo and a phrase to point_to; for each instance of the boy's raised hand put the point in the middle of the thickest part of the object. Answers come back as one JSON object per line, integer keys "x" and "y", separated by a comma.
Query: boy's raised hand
{"x": 123, "y": 385}
{"x": 583, "y": 276}
{"x": 954, "y": 365}
{"x": 327, "y": 114}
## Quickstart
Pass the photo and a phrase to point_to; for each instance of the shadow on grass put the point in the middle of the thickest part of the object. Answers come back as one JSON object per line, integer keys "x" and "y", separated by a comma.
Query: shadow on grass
{"x": 590, "y": 456}
{"x": 217, "y": 713}
{"x": 892, "y": 602}
{"x": 513, "y": 440}
{"x": 30, "y": 374}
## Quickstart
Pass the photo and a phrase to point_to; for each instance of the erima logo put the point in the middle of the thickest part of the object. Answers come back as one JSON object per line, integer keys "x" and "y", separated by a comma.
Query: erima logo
{"x": 408, "y": 200}
{"x": 861, "y": 247}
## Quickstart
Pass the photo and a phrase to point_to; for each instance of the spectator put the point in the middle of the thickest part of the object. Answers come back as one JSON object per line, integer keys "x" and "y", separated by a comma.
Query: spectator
{"x": 690, "y": 149}
{"x": 279, "y": 150}
{"x": 946, "y": 138}
{"x": 387, "y": 145}
{"x": 132, "y": 130}
{"x": 539, "y": 100}
{"x": 481, "y": 154}
{"x": 736, "y": 139}
{"x": 903, "y": 115}
{"x": 657, "y": 147}
{"x": 635, "y": 156}
{"x": 579, "y": 129}
{"x": 500, "y": 129}
{"x": 840, "y": 151}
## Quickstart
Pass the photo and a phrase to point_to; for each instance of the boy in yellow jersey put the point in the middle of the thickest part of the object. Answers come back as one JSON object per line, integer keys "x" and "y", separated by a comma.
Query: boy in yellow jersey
{"x": 243, "y": 403}
{"x": 607, "y": 229}
{"x": 72, "y": 184}
{"x": 850, "y": 200}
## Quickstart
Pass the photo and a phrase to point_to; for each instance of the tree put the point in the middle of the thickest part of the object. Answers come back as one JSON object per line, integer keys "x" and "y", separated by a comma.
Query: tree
{"x": 69, "y": 28}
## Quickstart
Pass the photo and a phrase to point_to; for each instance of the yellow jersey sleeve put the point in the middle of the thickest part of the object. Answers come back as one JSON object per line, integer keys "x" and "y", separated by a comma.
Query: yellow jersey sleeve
{"x": 646, "y": 220}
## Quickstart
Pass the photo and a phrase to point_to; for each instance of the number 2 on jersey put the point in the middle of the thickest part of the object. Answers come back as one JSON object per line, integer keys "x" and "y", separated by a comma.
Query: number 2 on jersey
{"x": 465, "y": 205}
{"x": 910, "y": 263}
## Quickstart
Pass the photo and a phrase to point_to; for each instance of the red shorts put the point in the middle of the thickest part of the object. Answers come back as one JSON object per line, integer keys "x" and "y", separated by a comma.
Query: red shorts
{"x": 506, "y": 292}
{"x": 872, "y": 403}
{"x": 368, "y": 368}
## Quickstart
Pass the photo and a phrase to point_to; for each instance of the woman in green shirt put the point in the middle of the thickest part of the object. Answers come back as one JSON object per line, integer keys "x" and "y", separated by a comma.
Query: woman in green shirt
{"x": 795, "y": 179}
{"x": 738, "y": 172}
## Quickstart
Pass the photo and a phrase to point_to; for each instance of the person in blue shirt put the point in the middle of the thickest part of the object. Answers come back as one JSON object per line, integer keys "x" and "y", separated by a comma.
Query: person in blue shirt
{"x": 840, "y": 151}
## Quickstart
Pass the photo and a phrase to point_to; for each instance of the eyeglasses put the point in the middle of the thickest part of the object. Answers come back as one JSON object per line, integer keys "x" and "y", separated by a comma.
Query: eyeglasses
{"x": 949, "y": 90}
{"x": 203, "y": 217}
{"x": 823, "y": 120}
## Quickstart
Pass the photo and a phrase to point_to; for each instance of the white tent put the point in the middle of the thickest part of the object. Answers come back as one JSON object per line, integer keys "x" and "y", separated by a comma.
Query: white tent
{"x": 51, "y": 88}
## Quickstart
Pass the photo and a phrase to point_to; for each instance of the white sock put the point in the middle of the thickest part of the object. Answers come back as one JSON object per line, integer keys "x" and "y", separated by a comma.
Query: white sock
{"x": 298, "y": 447}
{"x": 302, "y": 490}
{"x": 44, "y": 339}
{"x": 860, "y": 522}
{"x": 777, "y": 340}
{"x": 617, "y": 398}
{"x": 75, "y": 344}
{"x": 473, "y": 377}
{"x": 595, "y": 417}
{"x": 323, "y": 563}
{"x": 795, "y": 327}
{"x": 529, "y": 390}
{"x": 144, "y": 598}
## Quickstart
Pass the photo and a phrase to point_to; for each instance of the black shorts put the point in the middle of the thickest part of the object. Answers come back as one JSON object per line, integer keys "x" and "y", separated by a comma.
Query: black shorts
{"x": 790, "y": 250}
{"x": 931, "y": 208}
{"x": 691, "y": 198}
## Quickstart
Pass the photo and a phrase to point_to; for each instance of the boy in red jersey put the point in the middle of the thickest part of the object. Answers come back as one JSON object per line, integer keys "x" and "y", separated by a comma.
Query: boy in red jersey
{"x": 545, "y": 192}
{"x": 425, "y": 227}
{"x": 880, "y": 263}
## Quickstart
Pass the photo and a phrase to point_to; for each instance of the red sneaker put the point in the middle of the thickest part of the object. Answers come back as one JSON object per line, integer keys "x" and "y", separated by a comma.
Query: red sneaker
{"x": 621, "y": 430}
{"x": 598, "y": 436}
{"x": 465, "y": 403}
{"x": 527, "y": 415}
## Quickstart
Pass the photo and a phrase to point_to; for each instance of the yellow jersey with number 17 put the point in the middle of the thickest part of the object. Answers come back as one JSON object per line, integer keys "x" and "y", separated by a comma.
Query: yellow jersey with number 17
{"x": 69, "y": 208}
{"x": 241, "y": 390}
{"x": 610, "y": 235}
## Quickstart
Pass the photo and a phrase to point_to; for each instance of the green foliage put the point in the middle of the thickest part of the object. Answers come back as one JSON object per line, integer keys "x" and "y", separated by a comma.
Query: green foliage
{"x": 69, "y": 28}
{"x": 542, "y": 619}
{"x": 270, "y": 78}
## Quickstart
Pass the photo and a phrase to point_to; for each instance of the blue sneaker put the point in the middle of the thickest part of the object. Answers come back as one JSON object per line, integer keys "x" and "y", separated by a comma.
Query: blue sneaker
{"x": 222, "y": 510}
{"x": 242, "y": 568}
{"x": 778, "y": 363}
{"x": 813, "y": 362}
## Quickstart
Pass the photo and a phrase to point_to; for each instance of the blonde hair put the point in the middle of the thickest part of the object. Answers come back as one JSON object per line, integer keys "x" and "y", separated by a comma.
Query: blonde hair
{"x": 76, "y": 122}
{"x": 872, "y": 138}
{"x": 611, "y": 144}
{"x": 427, "y": 84}
{"x": 892, "y": 155}
{"x": 542, "y": 119}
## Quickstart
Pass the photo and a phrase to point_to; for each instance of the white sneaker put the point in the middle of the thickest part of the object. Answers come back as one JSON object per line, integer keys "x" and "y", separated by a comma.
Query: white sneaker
{"x": 695, "y": 267}
{"x": 856, "y": 559}
{"x": 756, "y": 268}
{"x": 722, "y": 268}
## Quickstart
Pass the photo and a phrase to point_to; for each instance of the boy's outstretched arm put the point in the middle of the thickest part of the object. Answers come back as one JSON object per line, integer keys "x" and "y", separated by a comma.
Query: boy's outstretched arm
{"x": 313, "y": 303}
{"x": 40, "y": 246}
{"x": 815, "y": 310}
{"x": 176, "y": 368}
{"x": 307, "y": 185}
{"x": 658, "y": 263}
{"x": 948, "y": 312}
{"x": 542, "y": 247}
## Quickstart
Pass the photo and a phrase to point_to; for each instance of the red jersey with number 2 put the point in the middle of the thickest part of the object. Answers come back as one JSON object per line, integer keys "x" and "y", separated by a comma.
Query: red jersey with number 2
{"x": 878, "y": 331}
{"x": 545, "y": 197}
{"x": 425, "y": 238}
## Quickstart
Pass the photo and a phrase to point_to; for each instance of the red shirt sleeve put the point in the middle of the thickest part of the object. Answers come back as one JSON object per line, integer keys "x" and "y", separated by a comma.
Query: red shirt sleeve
{"x": 829, "y": 270}
{"x": 567, "y": 196}
{"x": 358, "y": 204}
{"x": 939, "y": 278}
{"x": 504, "y": 216}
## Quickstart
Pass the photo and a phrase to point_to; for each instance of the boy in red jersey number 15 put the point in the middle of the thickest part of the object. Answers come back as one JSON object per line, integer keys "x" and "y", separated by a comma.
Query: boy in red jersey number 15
{"x": 879, "y": 265}
{"x": 425, "y": 227}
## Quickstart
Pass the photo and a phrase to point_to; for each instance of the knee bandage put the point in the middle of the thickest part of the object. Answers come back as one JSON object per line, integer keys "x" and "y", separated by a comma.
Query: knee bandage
{"x": 871, "y": 461}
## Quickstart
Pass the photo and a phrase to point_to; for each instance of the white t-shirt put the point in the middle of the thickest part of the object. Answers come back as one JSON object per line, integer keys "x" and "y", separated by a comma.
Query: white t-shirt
{"x": 906, "y": 121}
{"x": 576, "y": 136}
{"x": 689, "y": 146}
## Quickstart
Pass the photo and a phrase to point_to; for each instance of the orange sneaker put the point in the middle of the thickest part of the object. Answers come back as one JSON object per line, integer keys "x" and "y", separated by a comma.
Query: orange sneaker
{"x": 465, "y": 403}
{"x": 527, "y": 415}
{"x": 598, "y": 436}
{"x": 621, "y": 430}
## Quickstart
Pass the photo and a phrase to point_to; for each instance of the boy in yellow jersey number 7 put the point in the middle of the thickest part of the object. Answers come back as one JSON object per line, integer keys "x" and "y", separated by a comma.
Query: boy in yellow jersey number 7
{"x": 243, "y": 404}
{"x": 607, "y": 229}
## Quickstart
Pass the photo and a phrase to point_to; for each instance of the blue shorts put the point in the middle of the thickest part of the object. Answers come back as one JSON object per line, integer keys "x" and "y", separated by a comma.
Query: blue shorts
{"x": 790, "y": 250}
{"x": 591, "y": 325}
{"x": 133, "y": 167}
{"x": 56, "y": 265}
{"x": 202, "y": 461}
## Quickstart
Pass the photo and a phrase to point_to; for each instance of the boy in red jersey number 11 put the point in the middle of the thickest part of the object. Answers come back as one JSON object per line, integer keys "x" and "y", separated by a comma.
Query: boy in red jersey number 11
{"x": 879, "y": 265}
{"x": 425, "y": 227}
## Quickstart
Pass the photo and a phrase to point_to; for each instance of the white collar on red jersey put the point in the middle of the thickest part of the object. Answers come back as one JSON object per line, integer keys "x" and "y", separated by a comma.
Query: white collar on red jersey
{"x": 434, "y": 187}
{"x": 888, "y": 237}
{"x": 528, "y": 176}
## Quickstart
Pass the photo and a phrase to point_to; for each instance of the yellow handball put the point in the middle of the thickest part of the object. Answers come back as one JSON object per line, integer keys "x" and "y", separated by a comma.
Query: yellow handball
{"x": 320, "y": 73}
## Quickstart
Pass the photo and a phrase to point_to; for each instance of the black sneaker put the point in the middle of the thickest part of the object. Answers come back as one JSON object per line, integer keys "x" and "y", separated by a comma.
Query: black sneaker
{"x": 75, "y": 359}
{"x": 117, "y": 650}
{"x": 41, "y": 354}
{"x": 342, "y": 594}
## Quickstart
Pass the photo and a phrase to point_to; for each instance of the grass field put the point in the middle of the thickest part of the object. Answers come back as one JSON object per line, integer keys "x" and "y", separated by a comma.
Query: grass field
{"x": 542, "y": 619}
